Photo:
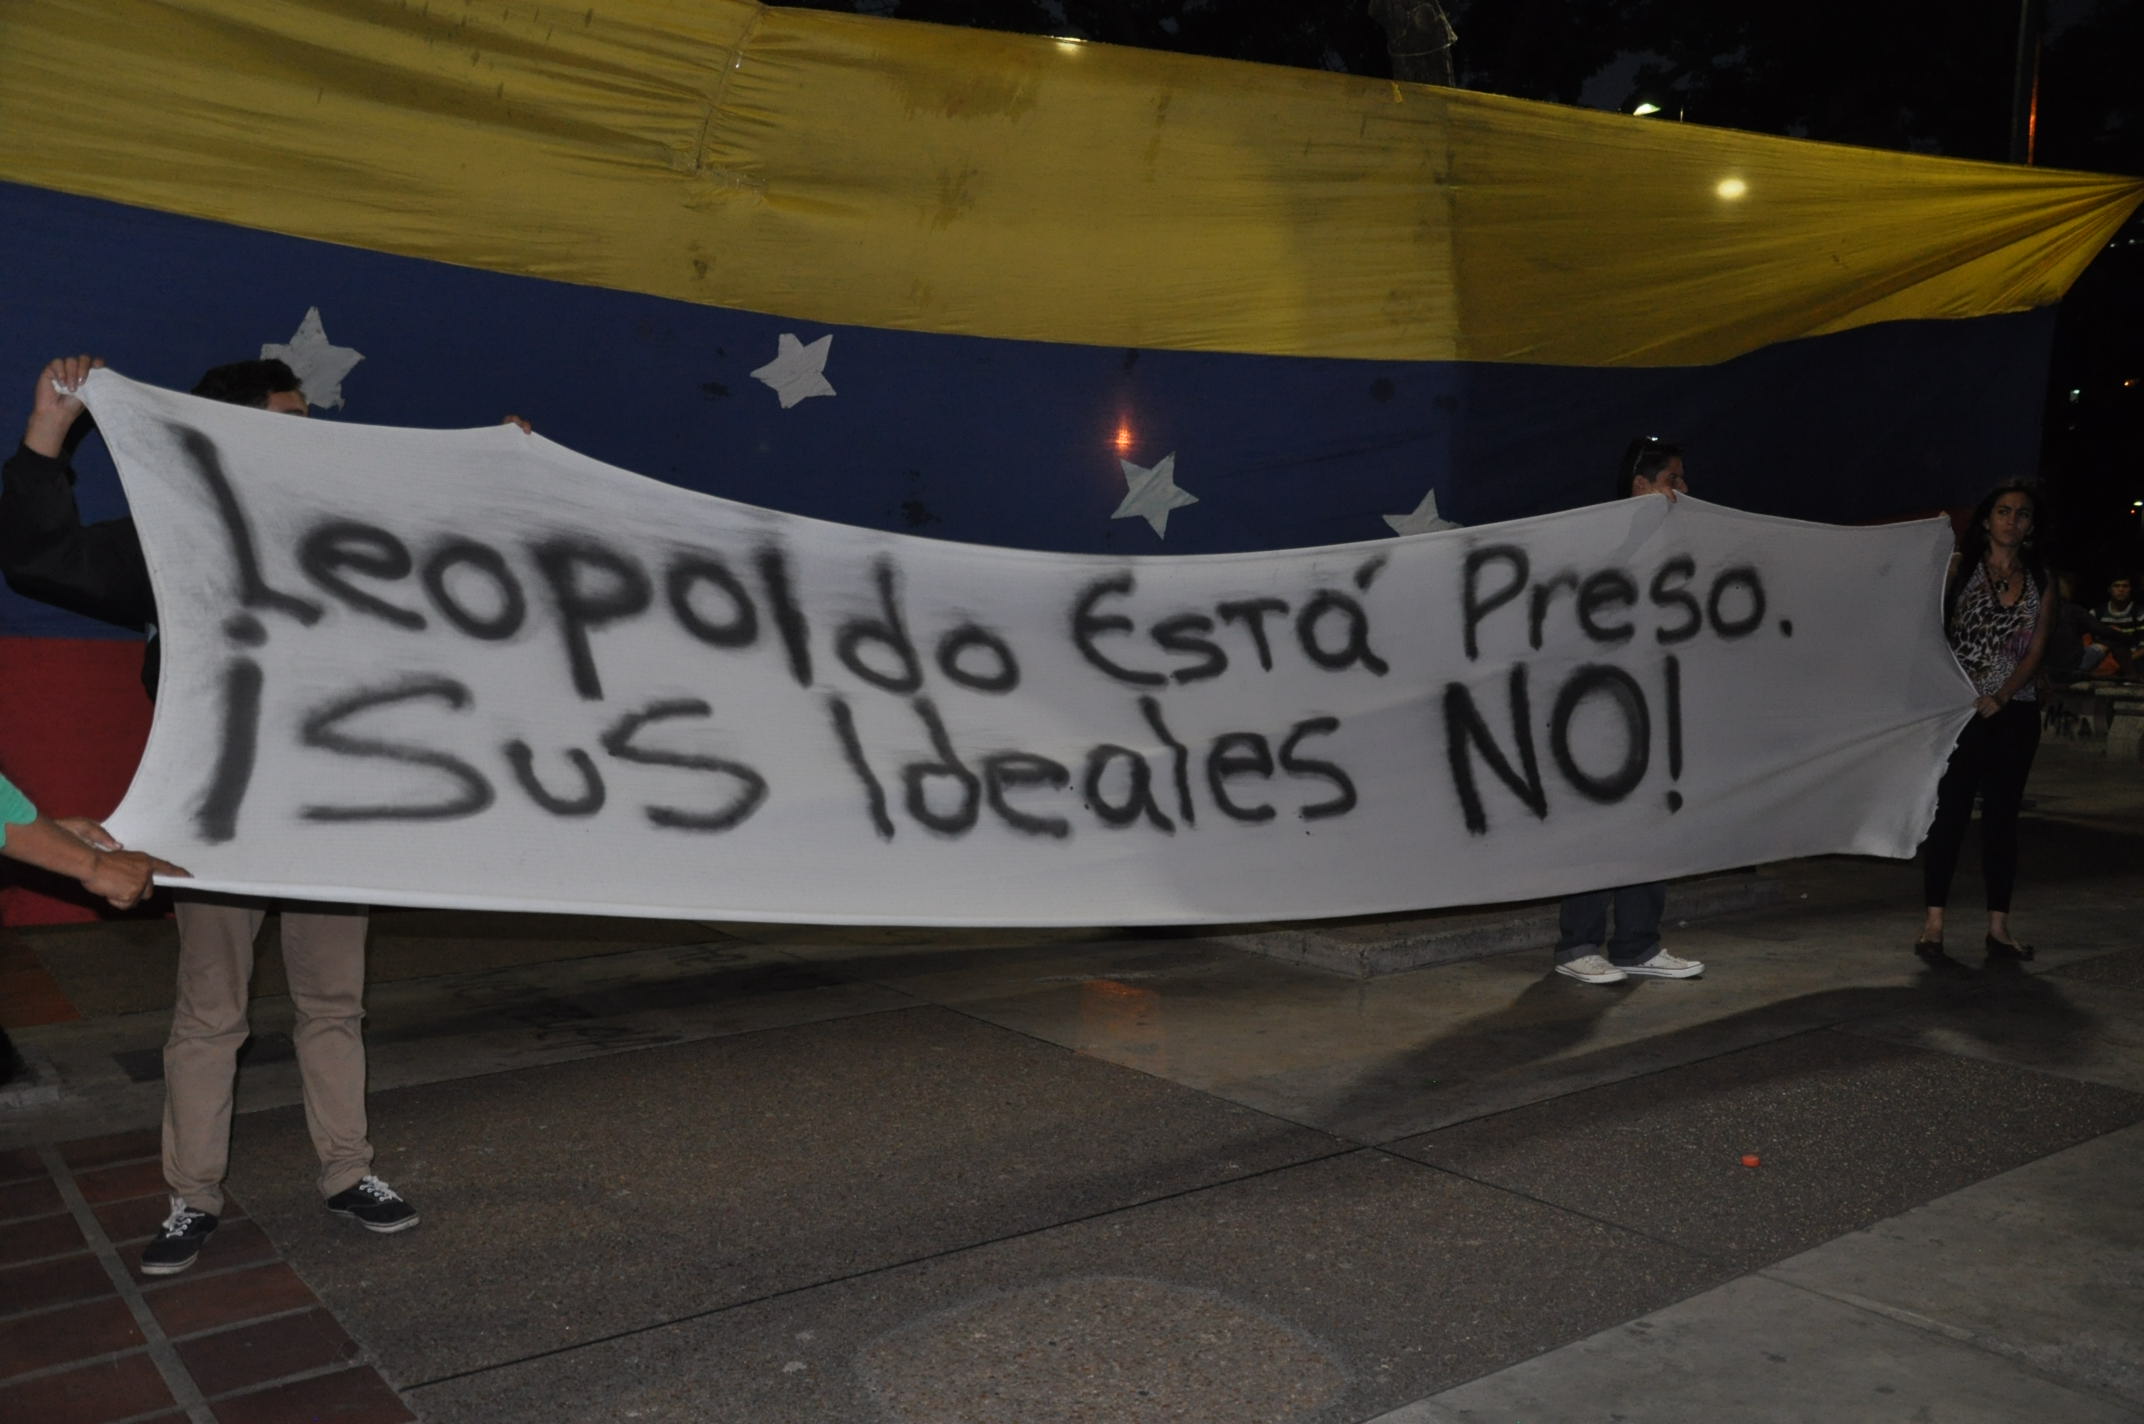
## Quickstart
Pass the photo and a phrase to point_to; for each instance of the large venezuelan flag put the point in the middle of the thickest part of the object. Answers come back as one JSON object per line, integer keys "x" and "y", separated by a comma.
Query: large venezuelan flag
{"x": 1325, "y": 297}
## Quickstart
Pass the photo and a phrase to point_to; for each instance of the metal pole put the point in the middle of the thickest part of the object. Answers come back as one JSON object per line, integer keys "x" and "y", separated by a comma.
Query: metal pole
{"x": 2025, "y": 94}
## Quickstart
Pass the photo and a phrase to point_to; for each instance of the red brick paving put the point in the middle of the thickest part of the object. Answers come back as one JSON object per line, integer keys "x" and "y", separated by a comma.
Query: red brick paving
{"x": 135, "y": 1179}
{"x": 72, "y": 1332}
{"x": 135, "y": 1220}
{"x": 138, "y": 1218}
{"x": 257, "y": 1354}
{"x": 31, "y": 1198}
{"x": 345, "y": 1397}
{"x": 89, "y": 1152}
{"x": 20, "y": 1164}
{"x": 94, "y": 1394}
{"x": 39, "y": 1236}
{"x": 194, "y": 1303}
{"x": 55, "y": 1282}
{"x": 241, "y": 1323}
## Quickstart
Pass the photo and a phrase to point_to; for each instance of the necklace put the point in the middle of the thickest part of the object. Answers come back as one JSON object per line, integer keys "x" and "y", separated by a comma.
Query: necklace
{"x": 2001, "y": 583}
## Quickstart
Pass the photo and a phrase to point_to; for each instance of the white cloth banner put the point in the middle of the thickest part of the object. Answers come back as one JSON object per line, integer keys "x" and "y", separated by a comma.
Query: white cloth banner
{"x": 473, "y": 668}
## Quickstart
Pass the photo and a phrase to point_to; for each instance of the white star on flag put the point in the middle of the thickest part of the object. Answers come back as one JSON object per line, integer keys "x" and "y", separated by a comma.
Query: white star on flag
{"x": 318, "y": 363}
{"x": 1151, "y": 493}
{"x": 1423, "y": 520}
{"x": 797, "y": 372}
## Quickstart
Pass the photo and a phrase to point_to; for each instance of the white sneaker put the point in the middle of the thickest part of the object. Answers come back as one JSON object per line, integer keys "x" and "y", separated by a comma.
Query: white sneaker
{"x": 1666, "y": 966}
{"x": 1592, "y": 969}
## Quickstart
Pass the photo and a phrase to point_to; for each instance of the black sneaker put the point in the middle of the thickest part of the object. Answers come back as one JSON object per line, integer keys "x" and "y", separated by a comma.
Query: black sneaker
{"x": 178, "y": 1242}
{"x": 375, "y": 1205}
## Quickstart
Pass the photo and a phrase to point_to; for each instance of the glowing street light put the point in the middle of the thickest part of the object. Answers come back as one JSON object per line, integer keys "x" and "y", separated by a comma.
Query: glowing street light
{"x": 1648, "y": 107}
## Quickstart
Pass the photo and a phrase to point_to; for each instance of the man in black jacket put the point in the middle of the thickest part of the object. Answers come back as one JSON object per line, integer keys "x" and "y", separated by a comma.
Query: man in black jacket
{"x": 1586, "y": 950}
{"x": 48, "y": 553}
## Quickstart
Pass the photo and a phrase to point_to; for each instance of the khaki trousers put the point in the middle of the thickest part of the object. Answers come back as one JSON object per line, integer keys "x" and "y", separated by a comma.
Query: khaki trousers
{"x": 324, "y": 958}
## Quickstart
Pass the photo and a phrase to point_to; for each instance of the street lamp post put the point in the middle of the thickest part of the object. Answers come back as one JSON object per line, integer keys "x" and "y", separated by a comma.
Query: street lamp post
{"x": 2025, "y": 95}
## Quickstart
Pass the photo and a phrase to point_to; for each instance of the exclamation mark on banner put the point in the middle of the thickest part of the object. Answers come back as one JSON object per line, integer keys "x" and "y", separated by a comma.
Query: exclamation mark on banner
{"x": 1674, "y": 730}
{"x": 216, "y": 817}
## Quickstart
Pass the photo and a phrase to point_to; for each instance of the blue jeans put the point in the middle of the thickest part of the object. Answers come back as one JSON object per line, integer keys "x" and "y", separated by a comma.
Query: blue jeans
{"x": 1584, "y": 922}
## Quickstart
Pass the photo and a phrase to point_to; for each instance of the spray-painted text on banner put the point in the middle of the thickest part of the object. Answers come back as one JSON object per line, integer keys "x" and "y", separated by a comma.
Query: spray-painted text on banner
{"x": 476, "y": 669}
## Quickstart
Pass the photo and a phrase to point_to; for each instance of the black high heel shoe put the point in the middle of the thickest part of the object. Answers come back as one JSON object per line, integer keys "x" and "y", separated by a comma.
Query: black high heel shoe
{"x": 1930, "y": 953}
{"x": 2017, "y": 952}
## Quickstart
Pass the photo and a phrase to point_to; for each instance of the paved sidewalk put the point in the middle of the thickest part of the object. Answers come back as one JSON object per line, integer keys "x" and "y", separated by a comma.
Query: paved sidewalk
{"x": 762, "y": 1174}
{"x": 84, "y": 1337}
{"x": 2015, "y": 1299}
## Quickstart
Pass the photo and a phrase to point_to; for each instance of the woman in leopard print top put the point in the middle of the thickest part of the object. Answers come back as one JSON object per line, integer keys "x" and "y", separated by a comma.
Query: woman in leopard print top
{"x": 1998, "y": 610}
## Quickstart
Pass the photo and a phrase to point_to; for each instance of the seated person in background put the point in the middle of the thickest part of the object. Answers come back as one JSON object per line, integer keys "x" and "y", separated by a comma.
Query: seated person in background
{"x": 2124, "y": 619}
{"x": 2081, "y": 646}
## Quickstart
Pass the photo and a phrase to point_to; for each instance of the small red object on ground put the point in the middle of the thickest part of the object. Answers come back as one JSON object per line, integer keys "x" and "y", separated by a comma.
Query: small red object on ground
{"x": 1749, "y": 1159}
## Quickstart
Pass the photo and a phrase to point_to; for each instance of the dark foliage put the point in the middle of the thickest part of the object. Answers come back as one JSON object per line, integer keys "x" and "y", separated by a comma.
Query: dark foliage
{"x": 1935, "y": 76}
{"x": 1325, "y": 34}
